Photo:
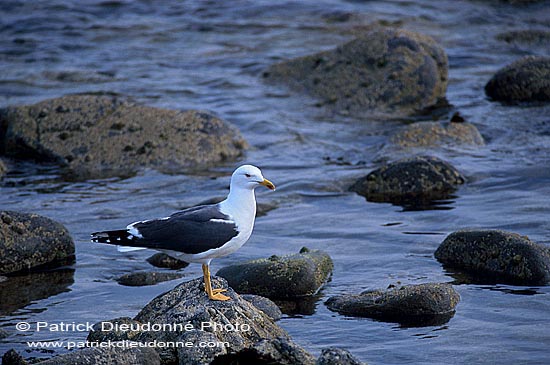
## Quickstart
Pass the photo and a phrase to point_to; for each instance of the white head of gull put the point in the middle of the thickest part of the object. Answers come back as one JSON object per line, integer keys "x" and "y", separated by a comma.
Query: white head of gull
{"x": 202, "y": 233}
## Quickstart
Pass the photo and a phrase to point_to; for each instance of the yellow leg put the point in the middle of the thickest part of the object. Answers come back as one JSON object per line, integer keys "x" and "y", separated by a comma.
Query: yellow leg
{"x": 212, "y": 294}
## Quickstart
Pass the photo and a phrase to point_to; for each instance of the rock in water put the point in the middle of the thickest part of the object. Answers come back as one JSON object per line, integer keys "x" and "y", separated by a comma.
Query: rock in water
{"x": 98, "y": 136}
{"x": 415, "y": 305}
{"x": 494, "y": 255}
{"x": 3, "y": 169}
{"x": 336, "y": 356}
{"x": 389, "y": 70}
{"x": 144, "y": 278}
{"x": 30, "y": 240}
{"x": 526, "y": 80}
{"x": 280, "y": 277}
{"x": 237, "y": 330}
{"x": 415, "y": 179}
{"x": 163, "y": 260}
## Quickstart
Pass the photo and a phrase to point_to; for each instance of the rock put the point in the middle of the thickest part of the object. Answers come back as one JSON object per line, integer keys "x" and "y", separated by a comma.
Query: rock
{"x": 526, "y": 80}
{"x": 336, "y": 356}
{"x": 118, "y": 329}
{"x": 280, "y": 277}
{"x": 246, "y": 333}
{"x": 28, "y": 241}
{"x": 526, "y": 36}
{"x": 494, "y": 255}
{"x": 11, "y": 357}
{"x": 3, "y": 169}
{"x": 3, "y": 333}
{"x": 144, "y": 278}
{"x": 163, "y": 260}
{"x": 414, "y": 305}
{"x": 435, "y": 134}
{"x": 98, "y": 136}
{"x": 383, "y": 69}
{"x": 415, "y": 179}
{"x": 109, "y": 355}
{"x": 265, "y": 305}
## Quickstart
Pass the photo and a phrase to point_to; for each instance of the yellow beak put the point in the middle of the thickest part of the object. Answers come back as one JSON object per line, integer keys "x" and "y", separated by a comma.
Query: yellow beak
{"x": 268, "y": 184}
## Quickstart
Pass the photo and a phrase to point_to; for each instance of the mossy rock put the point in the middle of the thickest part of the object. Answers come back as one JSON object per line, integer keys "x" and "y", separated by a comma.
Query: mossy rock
{"x": 384, "y": 69}
{"x": 495, "y": 255}
{"x": 526, "y": 80}
{"x": 279, "y": 277}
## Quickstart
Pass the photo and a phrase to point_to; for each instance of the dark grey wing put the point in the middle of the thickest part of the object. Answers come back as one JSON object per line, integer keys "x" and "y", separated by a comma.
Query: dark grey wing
{"x": 190, "y": 231}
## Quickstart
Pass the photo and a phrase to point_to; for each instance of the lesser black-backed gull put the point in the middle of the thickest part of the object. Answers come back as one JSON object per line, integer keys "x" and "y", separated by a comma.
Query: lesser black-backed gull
{"x": 199, "y": 234}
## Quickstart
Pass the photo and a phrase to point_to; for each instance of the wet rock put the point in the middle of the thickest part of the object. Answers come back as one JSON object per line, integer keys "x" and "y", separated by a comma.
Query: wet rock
{"x": 418, "y": 178}
{"x": 118, "y": 329}
{"x": 3, "y": 169}
{"x": 98, "y": 136}
{"x": 384, "y": 69}
{"x": 414, "y": 305}
{"x": 247, "y": 333}
{"x": 436, "y": 134}
{"x": 28, "y": 241}
{"x": 494, "y": 255}
{"x": 11, "y": 357}
{"x": 265, "y": 305}
{"x": 336, "y": 356}
{"x": 110, "y": 355}
{"x": 526, "y": 36}
{"x": 279, "y": 277}
{"x": 526, "y": 80}
{"x": 163, "y": 260}
{"x": 144, "y": 278}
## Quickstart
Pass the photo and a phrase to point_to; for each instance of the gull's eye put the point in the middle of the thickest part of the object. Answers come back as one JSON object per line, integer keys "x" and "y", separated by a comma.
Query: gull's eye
{"x": 248, "y": 175}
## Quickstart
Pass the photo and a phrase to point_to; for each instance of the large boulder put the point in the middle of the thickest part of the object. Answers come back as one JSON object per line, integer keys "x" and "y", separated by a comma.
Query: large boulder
{"x": 422, "y": 304}
{"x": 30, "y": 240}
{"x": 525, "y": 80}
{"x": 280, "y": 277}
{"x": 494, "y": 255}
{"x": 237, "y": 330}
{"x": 410, "y": 180}
{"x": 388, "y": 70}
{"x": 96, "y": 136}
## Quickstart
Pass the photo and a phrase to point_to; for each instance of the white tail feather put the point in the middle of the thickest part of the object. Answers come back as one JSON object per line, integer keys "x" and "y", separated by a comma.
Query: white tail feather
{"x": 129, "y": 249}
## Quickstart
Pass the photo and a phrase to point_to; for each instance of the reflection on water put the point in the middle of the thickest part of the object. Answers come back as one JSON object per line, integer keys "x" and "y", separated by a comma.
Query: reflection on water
{"x": 19, "y": 291}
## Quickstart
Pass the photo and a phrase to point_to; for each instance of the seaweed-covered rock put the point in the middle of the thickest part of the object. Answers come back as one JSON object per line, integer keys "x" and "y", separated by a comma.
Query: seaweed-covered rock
{"x": 237, "y": 330}
{"x": 265, "y": 305}
{"x": 494, "y": 255}
{"x": 30, "y": 240}
{"x": 279, "y": 277}
{"x": 418, "y": 305}
{"x": 417, "y": 178}
{"x": 383, "y": 69}
{"x": 525, "y": 80}
{"x": 144, "y": 278}
{"x": 336, "y": 356}
{"x": 163, "y": 260}
{"x": 109, "y": 355}
{"x": 96, "y": 136}
{"x": 434, "y": 134}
